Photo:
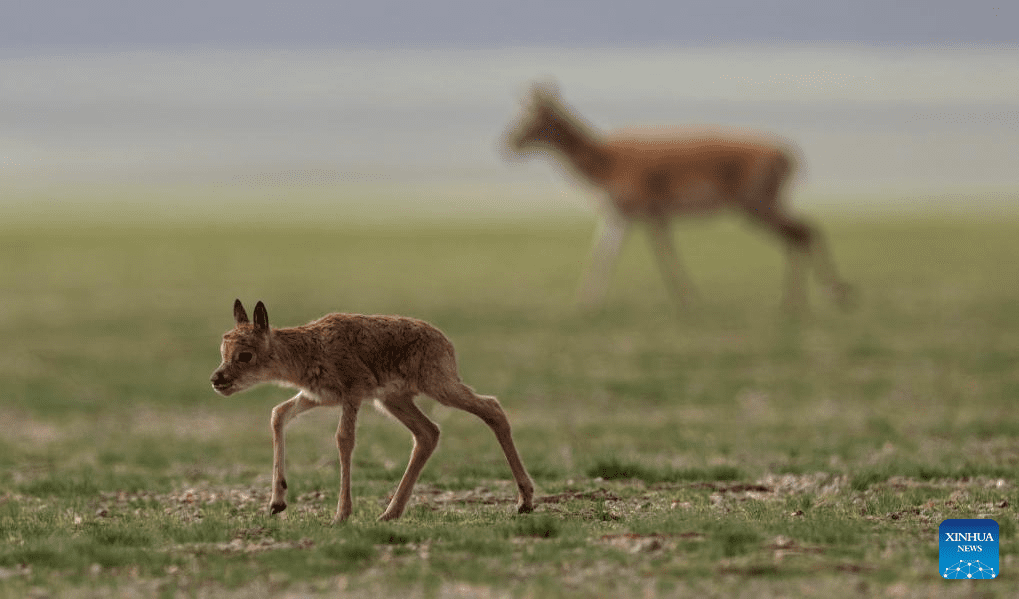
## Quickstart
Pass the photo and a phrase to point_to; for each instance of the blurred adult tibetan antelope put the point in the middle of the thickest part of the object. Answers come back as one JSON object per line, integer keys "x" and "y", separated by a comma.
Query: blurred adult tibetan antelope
{"x": 652, "y": 177}
{"x": 344, "y": 359}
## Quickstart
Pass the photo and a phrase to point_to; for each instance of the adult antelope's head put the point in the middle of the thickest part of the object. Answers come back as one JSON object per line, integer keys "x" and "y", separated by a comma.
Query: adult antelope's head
{"x": 542, "y": 123}
{"x": 245, "y": 352}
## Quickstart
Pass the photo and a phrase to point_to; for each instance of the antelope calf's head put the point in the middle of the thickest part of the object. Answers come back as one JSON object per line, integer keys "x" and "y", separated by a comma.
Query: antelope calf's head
{"x": 245, "y": 352}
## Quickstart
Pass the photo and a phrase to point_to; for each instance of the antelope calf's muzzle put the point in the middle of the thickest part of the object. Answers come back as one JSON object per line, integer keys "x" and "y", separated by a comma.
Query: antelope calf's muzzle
{"x": 219, "y": 379}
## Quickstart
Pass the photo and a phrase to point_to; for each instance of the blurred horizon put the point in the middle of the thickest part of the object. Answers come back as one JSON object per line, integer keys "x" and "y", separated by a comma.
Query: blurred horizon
{"x": 870, "y": 120}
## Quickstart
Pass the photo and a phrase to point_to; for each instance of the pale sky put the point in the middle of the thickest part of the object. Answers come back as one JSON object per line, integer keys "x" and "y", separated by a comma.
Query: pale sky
{"x": 118, "y": 24}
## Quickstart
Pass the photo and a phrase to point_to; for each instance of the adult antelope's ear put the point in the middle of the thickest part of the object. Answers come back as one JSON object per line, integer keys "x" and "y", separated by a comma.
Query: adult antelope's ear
{"x": 545, "y": 92}
{"x": 261, "y": 317}
{"x": 240, "y": 316}
{"x": 537, "y": 96}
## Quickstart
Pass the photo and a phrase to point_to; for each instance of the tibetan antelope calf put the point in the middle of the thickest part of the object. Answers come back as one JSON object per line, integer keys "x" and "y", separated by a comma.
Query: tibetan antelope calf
{"x": 344, "y": 359}
{"x": 650, "y": 178}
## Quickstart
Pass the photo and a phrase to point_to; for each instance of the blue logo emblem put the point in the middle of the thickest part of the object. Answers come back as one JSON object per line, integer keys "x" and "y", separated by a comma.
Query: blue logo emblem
{"x": 968, "y": 549}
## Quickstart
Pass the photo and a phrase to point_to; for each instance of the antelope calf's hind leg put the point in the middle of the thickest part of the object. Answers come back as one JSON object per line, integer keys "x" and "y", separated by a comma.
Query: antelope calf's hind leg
{"x": 426, "y": 438}
{"x": 459, "y": 395}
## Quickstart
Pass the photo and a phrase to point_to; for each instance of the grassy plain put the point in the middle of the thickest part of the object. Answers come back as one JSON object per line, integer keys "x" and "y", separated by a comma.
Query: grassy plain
{"x": 725, "y": 450}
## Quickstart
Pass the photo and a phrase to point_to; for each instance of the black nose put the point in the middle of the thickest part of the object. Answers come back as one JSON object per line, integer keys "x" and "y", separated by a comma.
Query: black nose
{"x": 217, "y": 378}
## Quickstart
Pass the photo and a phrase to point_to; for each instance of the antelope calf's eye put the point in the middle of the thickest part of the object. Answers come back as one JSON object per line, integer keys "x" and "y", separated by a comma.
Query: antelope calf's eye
{"x": 244, "y": 356}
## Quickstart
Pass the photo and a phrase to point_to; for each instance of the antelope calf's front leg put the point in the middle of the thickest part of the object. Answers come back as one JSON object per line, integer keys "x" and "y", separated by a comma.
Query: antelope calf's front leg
{"x": 278, "y": 420}
{"x": 345, "y": 446}
{"x": 281, "y": 415}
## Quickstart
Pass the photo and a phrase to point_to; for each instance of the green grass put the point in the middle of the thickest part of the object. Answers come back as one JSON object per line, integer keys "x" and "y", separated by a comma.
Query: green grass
{"x": 726, "y": 449}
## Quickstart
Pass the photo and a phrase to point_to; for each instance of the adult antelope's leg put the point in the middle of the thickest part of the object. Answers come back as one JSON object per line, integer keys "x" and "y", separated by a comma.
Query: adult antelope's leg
{"x": 803, "y": 238}
{"x": 426, "y": 439}
{"x": 675, "y": 277}
{"x": 603, "y": 258}
{"x": 800, "y": 239}
{"x": 795, "y": 297}
{"x": 345, "y": 445}
{"x": 486, "y": 407}
{"x": 824, "y": 265}
{"x": 281, "y": 415}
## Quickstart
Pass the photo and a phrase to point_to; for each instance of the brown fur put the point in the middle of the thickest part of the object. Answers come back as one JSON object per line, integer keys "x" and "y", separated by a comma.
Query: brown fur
{"x": 344, "y": 359}
{"x": 652, "y": 177}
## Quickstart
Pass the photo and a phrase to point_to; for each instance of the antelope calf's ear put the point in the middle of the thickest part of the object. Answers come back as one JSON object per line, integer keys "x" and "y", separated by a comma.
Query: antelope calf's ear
{"x": 261, "y": 317}
{"x": 240, "y": 316}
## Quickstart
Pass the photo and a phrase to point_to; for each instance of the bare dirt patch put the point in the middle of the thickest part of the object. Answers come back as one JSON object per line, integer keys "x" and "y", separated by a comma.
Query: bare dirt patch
{"x": 648, "y": 543}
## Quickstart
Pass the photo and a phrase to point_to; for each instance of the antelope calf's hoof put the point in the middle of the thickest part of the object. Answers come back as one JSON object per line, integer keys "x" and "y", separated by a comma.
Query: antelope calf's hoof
{"x": 275, "y": 508}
